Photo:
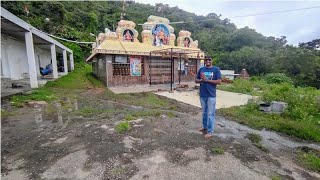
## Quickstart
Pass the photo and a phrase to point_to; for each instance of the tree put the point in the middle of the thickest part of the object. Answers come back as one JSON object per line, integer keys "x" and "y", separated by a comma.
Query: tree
{"x": 255, "y": 60}
{"x": 302, "y": 65}
{"x": 312, "y": 45}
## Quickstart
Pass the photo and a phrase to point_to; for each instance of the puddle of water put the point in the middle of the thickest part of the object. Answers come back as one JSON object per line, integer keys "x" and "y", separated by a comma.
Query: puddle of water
{"x": 41, "y": 120}
{"x": 61, "y": 115}
{"x": 37, "y": 114}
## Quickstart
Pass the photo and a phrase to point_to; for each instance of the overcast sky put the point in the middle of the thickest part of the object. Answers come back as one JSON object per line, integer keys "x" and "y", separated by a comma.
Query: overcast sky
{"x": 298, "y": 26}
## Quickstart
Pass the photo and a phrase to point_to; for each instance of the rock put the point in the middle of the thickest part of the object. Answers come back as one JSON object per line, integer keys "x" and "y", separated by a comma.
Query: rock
{"x": 60, "y": 140}
{"x": 265, "y": 107}
{"x": 104, "y": 126}
{"x": 27, "y": 93}
{"x": 163, "y": 116}
{"x": 136, "y": 121}
{"x": 278, "y": 106}
{"x": 32, "y": 103}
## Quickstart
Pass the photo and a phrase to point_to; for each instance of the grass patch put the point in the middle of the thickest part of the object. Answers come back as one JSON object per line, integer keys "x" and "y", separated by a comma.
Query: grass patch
{"x": 144, "y": 99}
{"x": 79, "y": 79}
{"x": 217, "y": 150}
{"x": 42, "y": 94}
{"x": 122, "y": 127}
{"x": 88, "y": 111}
{"x": 275, "y": 177}
{"x": 132, "y": 115}
{"x": 254, "y": 138}
{"x": 310, "y": 160}
{"x": 137, "y": 114}
{"x": 117, "y": 170}
{"x": 301, "y": 117}
{"x": 250, "y": 115}
{"x": 6, "y": 114}
{"x": 171, "y": 114}
{"x": 129, "y": 117}
{"x": 256, "y": 141}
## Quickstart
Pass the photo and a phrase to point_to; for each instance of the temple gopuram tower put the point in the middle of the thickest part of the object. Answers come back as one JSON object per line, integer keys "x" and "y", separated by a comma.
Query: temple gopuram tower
{"x": 126, "y": 31}
{"x": 158, "y": 32}
{"x": 185, "y": 40}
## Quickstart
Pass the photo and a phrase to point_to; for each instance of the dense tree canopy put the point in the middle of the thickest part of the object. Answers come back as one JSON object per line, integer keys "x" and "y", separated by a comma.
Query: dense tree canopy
{"x": 232, "y": 48}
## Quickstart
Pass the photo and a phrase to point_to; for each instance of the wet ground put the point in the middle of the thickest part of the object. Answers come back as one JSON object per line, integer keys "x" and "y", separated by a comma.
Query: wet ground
{"x": 76, "y": 139}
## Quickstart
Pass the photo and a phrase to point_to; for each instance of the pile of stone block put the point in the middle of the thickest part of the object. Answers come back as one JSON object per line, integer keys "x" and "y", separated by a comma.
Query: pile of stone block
{"x": 273, "y": 107}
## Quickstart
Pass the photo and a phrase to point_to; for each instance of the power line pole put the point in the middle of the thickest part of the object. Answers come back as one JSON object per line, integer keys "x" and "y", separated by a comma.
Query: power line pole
{"x": 123, "y": 10}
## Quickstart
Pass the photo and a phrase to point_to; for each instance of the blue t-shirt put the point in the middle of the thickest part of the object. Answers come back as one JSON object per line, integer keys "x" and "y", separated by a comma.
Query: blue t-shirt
{"x": 212, "y": 73}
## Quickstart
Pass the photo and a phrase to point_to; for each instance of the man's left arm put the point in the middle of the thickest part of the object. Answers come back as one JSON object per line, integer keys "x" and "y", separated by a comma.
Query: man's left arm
{"x": 218, "y": 78}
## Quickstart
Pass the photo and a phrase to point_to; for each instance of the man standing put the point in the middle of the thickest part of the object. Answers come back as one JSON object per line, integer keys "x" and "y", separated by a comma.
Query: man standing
{"x": 208, "y": 77}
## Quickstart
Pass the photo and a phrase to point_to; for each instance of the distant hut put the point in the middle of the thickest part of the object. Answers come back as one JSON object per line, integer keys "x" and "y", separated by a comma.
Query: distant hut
{"x": 244, "y": 74}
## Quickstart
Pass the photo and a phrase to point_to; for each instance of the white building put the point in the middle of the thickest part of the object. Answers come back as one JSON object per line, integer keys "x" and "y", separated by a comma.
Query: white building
{"x": 24, "y": 49}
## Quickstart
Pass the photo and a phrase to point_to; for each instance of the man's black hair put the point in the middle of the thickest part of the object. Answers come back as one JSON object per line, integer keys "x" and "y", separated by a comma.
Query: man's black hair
{"x": 207, "y": 57}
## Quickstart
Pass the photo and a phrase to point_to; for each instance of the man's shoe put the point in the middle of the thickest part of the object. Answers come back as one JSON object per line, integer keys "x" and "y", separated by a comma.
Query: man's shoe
{"x": 208, "y": 136}
{"x": 204, "y": 131}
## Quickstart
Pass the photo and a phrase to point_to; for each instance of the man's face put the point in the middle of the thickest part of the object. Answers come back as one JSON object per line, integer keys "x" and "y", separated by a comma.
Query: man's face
{"x": 208, "y": 62}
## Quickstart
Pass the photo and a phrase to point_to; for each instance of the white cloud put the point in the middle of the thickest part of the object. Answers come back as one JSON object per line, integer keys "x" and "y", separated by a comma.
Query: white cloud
{"x": 298, "y": 26}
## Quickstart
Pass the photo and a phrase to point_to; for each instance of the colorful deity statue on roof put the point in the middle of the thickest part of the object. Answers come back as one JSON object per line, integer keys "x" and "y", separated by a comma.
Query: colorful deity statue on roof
{"x": 185, "y": 40}
{"x": 126, "y": 31}
{"x": 128, "y": 35}
{"x": 158, "y": 32}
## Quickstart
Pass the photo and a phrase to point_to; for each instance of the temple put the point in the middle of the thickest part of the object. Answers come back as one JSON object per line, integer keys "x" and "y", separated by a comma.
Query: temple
{"x": 120, "y": 59}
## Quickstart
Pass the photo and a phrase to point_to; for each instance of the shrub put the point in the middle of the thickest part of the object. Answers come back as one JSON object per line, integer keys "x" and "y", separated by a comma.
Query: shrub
{"x": 122, "y": 127}
{"x": 239, "y": 86}
{"x": 217, "y": 150}
{"x": 277, "y": 78}
{"x": 302, "y": 102}
{"x": 255, "y": 78}
{"x": 309, "y": 160}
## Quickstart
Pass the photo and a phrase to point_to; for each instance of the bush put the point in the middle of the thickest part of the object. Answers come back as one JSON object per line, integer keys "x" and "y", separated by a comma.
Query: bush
{"x": 122, "y": 127}
{"x": 78, "y": 53}
{"x": 277, "y": 78}
{"x": 217, "y": 150}
{"x": 239, "y": 86}
{"x": 302, "y": 102}
{"x": 309, "y": 160}
{"x": 255, "y": 78}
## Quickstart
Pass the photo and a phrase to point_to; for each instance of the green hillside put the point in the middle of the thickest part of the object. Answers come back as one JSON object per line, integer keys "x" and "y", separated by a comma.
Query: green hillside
{"x": 232, "y": 48}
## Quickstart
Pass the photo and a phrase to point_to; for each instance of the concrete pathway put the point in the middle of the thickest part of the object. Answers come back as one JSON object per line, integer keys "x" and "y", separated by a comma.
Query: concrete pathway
{"x": 147, "y": 88}
{"x": 224, "y": 99}
{"x": 186, "y": 95}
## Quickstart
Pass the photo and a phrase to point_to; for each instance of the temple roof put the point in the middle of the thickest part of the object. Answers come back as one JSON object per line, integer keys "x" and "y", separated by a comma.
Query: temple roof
{"x": 137, "y": 48}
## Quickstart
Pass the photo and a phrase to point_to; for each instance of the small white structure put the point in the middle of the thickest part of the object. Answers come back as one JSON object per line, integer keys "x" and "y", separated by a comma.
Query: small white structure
{"x": 24, "y": 49}
{"x": 229, "y": 74}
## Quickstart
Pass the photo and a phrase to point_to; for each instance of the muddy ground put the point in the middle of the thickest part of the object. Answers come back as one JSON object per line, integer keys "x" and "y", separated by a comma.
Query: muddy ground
{"x": 67, "y": 139}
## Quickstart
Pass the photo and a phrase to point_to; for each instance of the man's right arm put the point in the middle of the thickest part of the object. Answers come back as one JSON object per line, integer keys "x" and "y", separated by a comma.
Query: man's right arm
{"x": 198, "y": 78}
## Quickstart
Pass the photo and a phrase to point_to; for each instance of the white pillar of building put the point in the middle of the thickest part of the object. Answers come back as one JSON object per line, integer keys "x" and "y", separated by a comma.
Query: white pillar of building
{"x": 65, "y": 61}
{"x": 54, "y": 61}
{"x": 31, "y": 60}
{"x": 71, "y": 62}
{"x": 5, "y": 66}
